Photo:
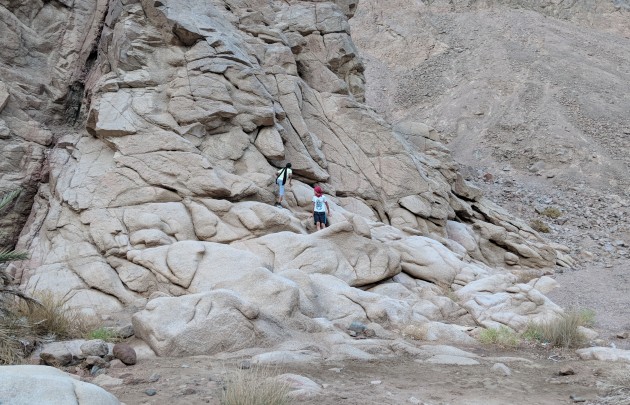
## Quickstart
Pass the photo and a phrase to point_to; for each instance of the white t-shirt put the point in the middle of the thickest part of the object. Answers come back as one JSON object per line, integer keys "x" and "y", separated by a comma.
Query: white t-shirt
{"x": 320, "y": 203}
{"x": 281, "y": 174}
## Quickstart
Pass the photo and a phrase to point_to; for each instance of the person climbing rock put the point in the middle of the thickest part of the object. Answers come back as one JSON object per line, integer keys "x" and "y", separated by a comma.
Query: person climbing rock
{"x": 320, "y": 208}
{"x": 283, "y": 175}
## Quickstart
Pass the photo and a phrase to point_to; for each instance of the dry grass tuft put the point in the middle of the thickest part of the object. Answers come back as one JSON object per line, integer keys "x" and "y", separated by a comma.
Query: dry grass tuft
{"x": 502, "y": 336}
{"x": 562, "y": 331}
{"x": 539, "y": 226}
{"x": 11, "y": 349}
{"x": 551, "y": 212}
{"x": 41, "y": 317}
{"x": 255, "y": 386}
{"x": 52, "y": 318}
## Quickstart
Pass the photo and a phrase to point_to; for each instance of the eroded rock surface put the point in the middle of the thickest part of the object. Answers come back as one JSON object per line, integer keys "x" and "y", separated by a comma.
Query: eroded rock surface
{"x": 159, "y": 201}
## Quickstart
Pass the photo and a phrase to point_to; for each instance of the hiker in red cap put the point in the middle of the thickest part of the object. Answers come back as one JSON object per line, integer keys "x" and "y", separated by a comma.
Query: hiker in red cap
{"x": 320, "y": 208}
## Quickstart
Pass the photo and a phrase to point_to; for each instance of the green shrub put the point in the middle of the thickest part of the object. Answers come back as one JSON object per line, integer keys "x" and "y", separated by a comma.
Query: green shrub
{"x": 105, "y": 334}
{"x": 539, "y": 226}
{"x": 552, "y": 212}
{"x": 255, "y": 386}
{"x": 501, "y": 336}
{"x": 561, "y": 331}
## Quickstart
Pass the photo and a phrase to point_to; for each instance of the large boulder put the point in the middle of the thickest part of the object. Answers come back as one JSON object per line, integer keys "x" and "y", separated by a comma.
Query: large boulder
{"x": 204, "y": 323}
{"x": 24, "y": 385}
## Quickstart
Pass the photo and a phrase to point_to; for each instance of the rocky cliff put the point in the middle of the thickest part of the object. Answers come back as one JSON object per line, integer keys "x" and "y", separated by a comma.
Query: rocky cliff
{"x": 147, "y": 135}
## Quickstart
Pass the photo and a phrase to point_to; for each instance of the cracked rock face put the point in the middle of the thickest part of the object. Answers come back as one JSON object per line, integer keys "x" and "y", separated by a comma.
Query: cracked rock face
{"x": 158, "y": 200}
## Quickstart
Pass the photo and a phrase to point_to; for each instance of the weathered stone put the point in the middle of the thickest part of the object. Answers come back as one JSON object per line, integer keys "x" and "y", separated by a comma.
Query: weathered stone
{"x": 29, "y": 384}
{"x": 501, "y": 369}
{"x": 301, "y": 387}
{"x": 95, "y": 348}
{"x": 104, "y": 380}
{"x": 170, "y": 327}
{"x": 56, "y": 354}
{"x": 269, "y": 143}
{"x": 125, "y": 353}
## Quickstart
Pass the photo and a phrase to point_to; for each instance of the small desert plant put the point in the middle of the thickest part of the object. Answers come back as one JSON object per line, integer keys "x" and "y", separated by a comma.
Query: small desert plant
{"x": 105, "y": 334}
{"x": 587, "y": 317}
{"x": 616, "y": 389}
{"x": 501, "y": 336}
{"x": 539, "y": 226}
{"x": 551, "y": 212}
{"x": 561, "y": 331}
{"x": 10, "y": 326}
{"x": 11, "y": 348}
{"x": 51, "y": 317}
{"x": 8, "y": 255}
{"x": 255, "y": 386}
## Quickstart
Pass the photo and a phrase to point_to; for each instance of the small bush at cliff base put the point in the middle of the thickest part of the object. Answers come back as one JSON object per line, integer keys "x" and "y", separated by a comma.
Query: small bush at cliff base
{"x": 552, "y": 212}
{"x": 255, "y": 386}
{"x": 103, "y": 334}
{"x": 587, "y": 317}
{"x": 11, "y": 348}
{"x": 561, "y": 331}
{"x": 52, "y": 318}
{"x": 539, "y": 226}
{"x": 501, "y": 336}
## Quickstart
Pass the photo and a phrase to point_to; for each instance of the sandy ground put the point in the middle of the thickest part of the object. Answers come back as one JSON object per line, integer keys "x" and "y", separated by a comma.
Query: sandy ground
{"x": 603, "y": 289}
{"x": 534, "y": 380}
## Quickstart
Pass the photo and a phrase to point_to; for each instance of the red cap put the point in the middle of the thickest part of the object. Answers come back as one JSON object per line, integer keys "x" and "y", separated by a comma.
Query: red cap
{"x": 318, "y": 191}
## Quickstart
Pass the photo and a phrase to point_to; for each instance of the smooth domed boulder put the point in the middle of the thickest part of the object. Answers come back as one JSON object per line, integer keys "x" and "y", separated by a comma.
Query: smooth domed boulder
{"x": 26, "y": 385}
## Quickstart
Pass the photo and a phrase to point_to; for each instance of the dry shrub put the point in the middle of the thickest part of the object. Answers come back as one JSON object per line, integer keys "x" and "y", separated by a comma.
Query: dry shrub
{"x": 587, "y": 317}
{"x": 255, "y": 386}
{"x": 552, "y": 212}
{"x": 41, "y": 317}
{"x": 539, "y": 226}
{"x": 53, "y": 319}
{"x": 11, "y": 348}
{"x": 561, "y": 331}
{"x": 502, "y": 336}
{"x": 616, "y": 389}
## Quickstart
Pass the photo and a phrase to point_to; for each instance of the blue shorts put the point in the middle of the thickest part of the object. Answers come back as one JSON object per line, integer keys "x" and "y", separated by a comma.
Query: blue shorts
{"x": 319, "y": 217}
{"x": 279, "y": 182}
